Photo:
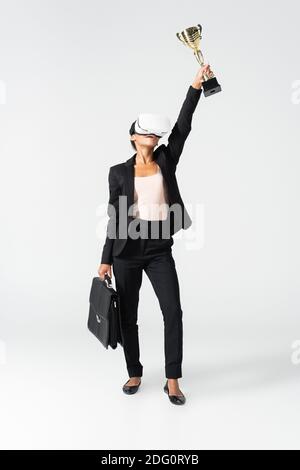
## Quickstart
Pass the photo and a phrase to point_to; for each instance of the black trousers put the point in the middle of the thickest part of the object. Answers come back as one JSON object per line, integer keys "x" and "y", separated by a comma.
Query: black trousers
{"x": 154, "y": 256}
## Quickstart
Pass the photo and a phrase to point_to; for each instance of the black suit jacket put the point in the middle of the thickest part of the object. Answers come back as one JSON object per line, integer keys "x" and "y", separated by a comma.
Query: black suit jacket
{"x": 121, "y": 178}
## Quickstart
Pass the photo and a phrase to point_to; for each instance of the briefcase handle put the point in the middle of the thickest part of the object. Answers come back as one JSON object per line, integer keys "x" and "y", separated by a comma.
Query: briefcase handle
{"x": 107, "y": 279}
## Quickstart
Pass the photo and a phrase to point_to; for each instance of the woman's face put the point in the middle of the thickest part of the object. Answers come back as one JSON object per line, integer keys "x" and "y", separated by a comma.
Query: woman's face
{"x": 149, "y": 140}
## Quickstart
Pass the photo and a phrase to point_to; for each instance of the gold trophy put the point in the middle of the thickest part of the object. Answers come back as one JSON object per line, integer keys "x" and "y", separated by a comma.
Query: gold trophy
{"x": 191, "y": 38}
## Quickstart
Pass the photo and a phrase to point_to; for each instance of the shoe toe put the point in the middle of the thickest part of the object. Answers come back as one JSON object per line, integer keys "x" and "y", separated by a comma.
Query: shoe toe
{"x": 175, "y": 399}
{"x": 130, "y": 389}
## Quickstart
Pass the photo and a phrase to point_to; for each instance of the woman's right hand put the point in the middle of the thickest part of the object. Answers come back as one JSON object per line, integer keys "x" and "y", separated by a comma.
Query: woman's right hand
{"x": 103, "y": 269}
{"x": 199, "y": 78}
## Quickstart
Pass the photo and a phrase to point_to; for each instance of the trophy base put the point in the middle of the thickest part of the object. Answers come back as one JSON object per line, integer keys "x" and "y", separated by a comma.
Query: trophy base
{"x": 211, "y": 86}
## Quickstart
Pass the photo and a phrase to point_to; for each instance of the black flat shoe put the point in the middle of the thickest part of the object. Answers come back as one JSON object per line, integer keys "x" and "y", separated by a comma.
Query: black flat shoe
{"x": 131, "y": 389}
{"x": 175, "y": 399}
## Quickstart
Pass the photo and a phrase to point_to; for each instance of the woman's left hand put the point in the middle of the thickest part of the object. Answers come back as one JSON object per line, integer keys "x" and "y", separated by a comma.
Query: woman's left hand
{"x": 199, "y": 79}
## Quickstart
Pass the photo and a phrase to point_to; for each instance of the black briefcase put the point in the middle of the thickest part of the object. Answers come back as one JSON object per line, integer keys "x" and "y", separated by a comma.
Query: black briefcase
{"x": 104, "y": 319}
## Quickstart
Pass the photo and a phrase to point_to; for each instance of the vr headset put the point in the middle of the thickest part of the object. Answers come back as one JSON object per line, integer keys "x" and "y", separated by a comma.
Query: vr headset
{"x": 157, "y": 124}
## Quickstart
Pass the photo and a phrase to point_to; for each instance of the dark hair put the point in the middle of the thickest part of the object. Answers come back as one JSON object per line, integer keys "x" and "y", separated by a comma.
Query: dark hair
{"x": 132, "y": 131}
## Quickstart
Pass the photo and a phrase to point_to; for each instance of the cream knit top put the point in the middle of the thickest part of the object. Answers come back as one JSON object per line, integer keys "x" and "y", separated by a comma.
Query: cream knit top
{"x": 150, "y": 197}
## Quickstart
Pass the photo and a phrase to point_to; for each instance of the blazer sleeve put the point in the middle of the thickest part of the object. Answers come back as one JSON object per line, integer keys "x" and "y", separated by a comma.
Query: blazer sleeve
{"x": 183, "y": 125}
{"x": 112, "y": 211}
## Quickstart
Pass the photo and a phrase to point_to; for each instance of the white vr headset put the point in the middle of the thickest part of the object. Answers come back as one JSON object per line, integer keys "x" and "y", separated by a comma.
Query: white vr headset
{"x": 157, "y": 124}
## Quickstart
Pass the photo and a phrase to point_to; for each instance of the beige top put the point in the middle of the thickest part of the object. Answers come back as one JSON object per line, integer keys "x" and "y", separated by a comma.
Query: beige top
{"x": 150, "y": 197}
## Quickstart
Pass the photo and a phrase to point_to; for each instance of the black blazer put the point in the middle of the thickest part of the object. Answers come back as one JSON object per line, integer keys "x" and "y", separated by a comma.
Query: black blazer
{"x": 121, "y": 178}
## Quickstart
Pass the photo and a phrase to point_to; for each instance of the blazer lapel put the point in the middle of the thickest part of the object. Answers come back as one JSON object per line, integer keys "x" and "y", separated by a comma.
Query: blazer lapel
{"x": 129, "y": 180}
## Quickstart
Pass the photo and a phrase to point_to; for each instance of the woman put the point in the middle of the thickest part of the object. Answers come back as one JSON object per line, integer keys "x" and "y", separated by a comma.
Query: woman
{"x": 148, "y": 179}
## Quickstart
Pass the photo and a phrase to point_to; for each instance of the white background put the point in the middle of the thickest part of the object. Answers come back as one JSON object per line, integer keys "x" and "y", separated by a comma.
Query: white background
{"x": 74, "y": 75}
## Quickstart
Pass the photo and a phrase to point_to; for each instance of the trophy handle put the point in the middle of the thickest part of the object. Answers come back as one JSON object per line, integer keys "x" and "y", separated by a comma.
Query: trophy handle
{"x": 199, "y": 56}
{"x": 200, "y": 59}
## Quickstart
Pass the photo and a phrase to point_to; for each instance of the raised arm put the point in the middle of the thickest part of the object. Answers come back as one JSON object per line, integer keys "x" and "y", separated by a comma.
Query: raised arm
{"x": 183, "y": 125}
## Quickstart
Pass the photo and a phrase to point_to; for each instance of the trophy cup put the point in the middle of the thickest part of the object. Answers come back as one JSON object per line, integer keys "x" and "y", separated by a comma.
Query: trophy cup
{"x": 191, "y": 38}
